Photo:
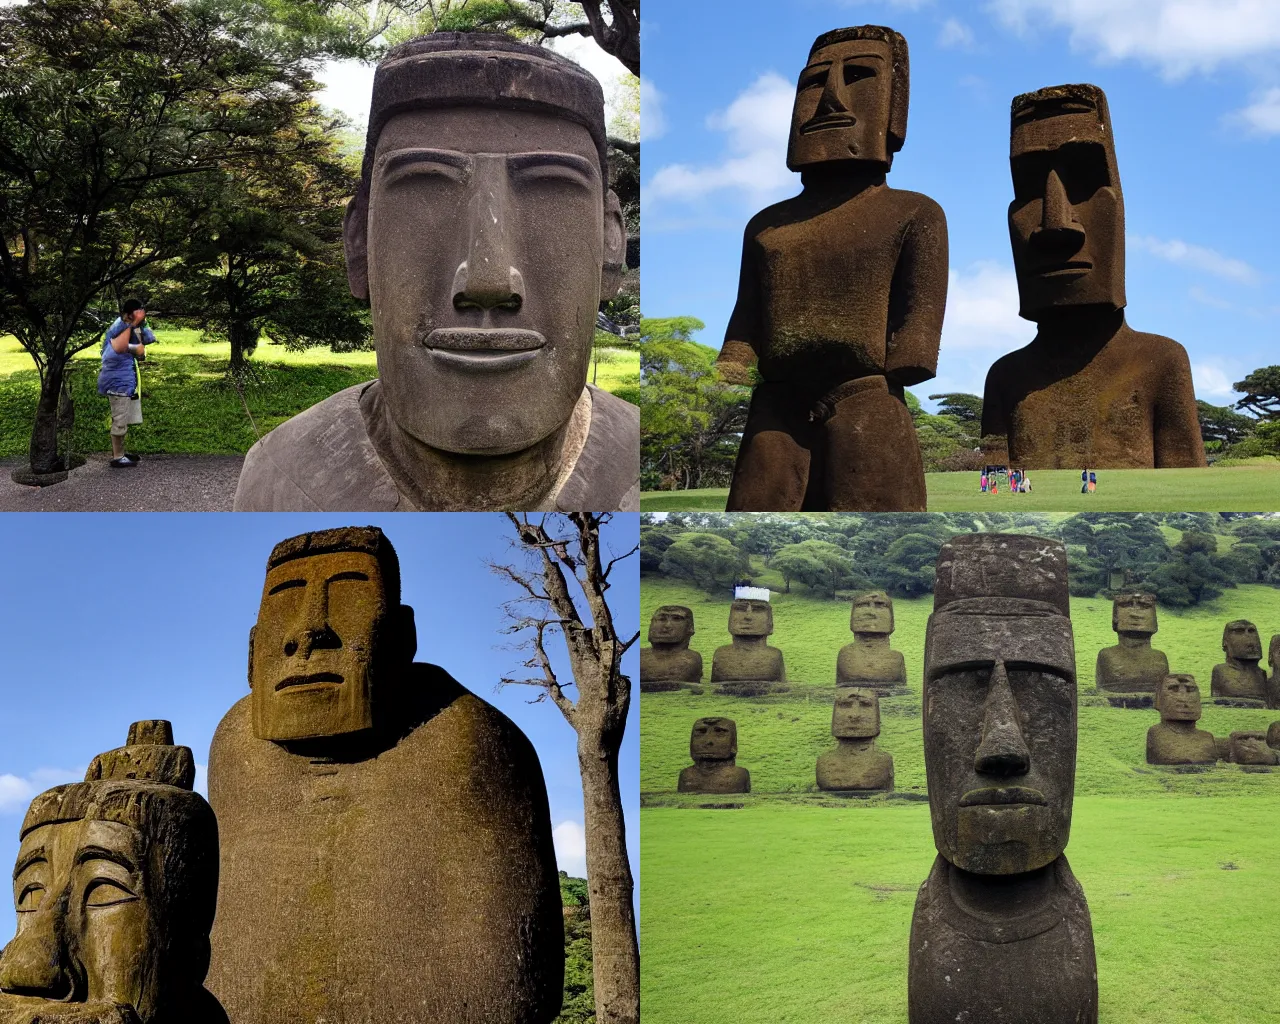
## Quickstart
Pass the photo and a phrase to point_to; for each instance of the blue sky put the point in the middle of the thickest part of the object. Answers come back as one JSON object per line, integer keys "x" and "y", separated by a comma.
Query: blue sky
{"x": 1194, "y": 90}
{"x": 111, "y": 618}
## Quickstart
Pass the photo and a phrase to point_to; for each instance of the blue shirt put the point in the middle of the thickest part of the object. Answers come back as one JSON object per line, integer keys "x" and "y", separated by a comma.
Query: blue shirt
{"x": 119, "y": 373}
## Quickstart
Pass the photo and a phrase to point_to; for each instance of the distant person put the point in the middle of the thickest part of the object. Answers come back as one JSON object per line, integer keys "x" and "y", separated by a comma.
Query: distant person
{"x": 982, "y": 482}
{"x": 1093, "y": 481}
{"x": 1084, "y": 481}
{"x": 123, "y": 346}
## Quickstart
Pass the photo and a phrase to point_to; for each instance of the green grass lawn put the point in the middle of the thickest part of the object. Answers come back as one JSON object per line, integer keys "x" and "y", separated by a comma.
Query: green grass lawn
{"x": 189, "y": 407}
{"x": 1249, "y": 487}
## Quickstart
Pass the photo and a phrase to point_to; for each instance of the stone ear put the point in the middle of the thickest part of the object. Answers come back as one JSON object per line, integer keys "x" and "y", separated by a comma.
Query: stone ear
{"x": 355, "y": 242}
{"x": 615, "y": 248}
{"x": 252, "y": 630}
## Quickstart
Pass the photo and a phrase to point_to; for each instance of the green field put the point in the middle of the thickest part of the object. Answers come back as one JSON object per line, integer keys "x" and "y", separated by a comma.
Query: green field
{"x": 1251, "y": 487}
{"x": 798, "y": 905}
{"x": 188, "y": 404}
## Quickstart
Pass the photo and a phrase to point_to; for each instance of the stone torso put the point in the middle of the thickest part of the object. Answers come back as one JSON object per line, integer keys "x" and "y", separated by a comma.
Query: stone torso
{"x": 1131, "y": 669}
{"x": 722, "y": 777}
{"x": 415, "y": 885}
{"x": 737, "y": 663}
{"x": 658, "y": 665}
{"x": 1167, "y": 745}
{"x": 1037, "y": 969}
{"x": 1247, "y": 681}
{"x": 847, "y": 767}
{"x": 883, "y": 669}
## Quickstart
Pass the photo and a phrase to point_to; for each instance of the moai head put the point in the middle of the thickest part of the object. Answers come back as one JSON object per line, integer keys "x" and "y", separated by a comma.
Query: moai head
{"x": 1250, "y": 747}
{"x": 714, "y": 739}
{"x": 483, "y": 234}
{"x": 1066, "y": 221}
{"x": 750, "y": 617}
{"x": 330, "y": 636}
{"x": 1240, "y": 640}
{"x": 851, "y": 99}
{"x": 1178, "y": 699}
{"x": 115, "y": 887}
{"x": 856, "y": 715}
{"x": 671, "y": 624}
{"x": 1000, "y": 703}
{"x": 1134, "y": 613}
{"x": 872, "y": 613}
{"x": 1273, "y": 654}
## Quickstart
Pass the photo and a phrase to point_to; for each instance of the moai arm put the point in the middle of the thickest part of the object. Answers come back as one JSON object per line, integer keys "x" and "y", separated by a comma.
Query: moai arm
{"x": 738, "y": 354}
{"x": 918, "y": 298}
{"x": 1176, "y": 425}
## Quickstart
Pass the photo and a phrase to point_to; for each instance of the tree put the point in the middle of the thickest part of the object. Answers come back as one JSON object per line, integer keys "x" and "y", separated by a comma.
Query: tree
{"x": 706, "y": 560}
{"x": 115, "y": 116}
{"x": 654, "y": 542}
{"x": 819, "y": 565}
{"x": 1222, "y": 424}
{"x": 558, "y": 549}
{"x": 960, "y": 406}
{"x": 1261, "y": 392}
{"x": 909, "y": 564}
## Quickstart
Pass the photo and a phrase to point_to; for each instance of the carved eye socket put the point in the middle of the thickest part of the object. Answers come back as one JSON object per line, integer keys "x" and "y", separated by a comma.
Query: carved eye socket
{"x": 103, "y": 892}
{"x": 30, "y": 898}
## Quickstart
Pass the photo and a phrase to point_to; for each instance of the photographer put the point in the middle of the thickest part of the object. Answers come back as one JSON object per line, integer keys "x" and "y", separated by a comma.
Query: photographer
{"x": 123, "y": 346}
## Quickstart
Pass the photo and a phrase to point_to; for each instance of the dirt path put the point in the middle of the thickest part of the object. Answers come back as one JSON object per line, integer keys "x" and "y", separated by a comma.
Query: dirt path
{"x": 162, "y": 483}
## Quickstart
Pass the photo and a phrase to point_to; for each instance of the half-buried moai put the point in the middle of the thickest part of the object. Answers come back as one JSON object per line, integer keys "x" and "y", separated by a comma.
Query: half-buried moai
{"x": 386, "y": 840}
{"x": 855, "y": 763}
{"x": 749, "y": 667}
{"x": 484, "y": 235}
{"x": 1132, "y": 665}
{"x": 1240, "y": 677}
{"x": 1089, "y": 390}
{"x": 669, "y": 664}
{"x": 1250, "y": 747}
{"x": 115, "y": 888}
{"x": 870, "y": 661}
{"x": 1001, "y": 931}
{"x": 840, "y": 297}
{"x": 713, "y": 745}
{"x": 1175, "y": 739}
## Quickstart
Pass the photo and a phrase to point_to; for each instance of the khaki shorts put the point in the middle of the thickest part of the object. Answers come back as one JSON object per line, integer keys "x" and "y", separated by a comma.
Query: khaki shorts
{"x": 125, "y": 412}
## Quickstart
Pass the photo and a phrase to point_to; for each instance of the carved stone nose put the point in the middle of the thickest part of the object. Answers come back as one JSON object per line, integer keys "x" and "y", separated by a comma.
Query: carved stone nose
{"x": 34, "y": 964}
{"x": 1002, "y": 751}
{"x": 1058, "y": 223}
{"x": 487, "y": 288}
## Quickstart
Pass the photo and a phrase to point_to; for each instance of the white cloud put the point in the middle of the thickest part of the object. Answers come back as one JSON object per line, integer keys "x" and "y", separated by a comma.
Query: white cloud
{"x": 1197, "y": 257}
{"x": 16, "y": 791}
{"x": 955, "y": 34}
{"x": 1262, "y": 117}
{"x": 1211, "y": 380}
{"x": 982, "y": 310}
{"x": 1178, "y": 36}
{"x": 653, "y": 124}
{"x": 571, "y": 848}
{"x": 348, "y": 87}
{"x": 756, "y": 125}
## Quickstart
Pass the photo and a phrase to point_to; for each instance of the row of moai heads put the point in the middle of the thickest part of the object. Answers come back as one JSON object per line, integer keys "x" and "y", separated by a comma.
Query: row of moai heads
{"x": 1000, "y": 703}
{"x": 671, "y": 625}
{"x": 484, "y": 203}
{"x": 115, "y": 888}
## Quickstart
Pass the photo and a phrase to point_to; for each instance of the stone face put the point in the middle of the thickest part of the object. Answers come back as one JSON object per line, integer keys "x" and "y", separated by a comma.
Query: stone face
{"x": 1273, "y": 683}
{"x": 1273, "y": 735}
{"x": 870, "y": 661}
{"x": 483, "y": 235}
{"x": 1089, "y": 390}
{"x": 840, "y": 297}
{"x": 1250, "y": 747}
{"x": 669, "y": 664}
{"x": 1176, "y": 740}
{"x": 1133, "y": 665}
{"x": 855, "y": 763}
{"x": 386, "y": 839}
{"x": 1001, "y": 930}
{"x": 749, "y": 666}
{"x": 115, "y": 891}
{"x": 1240, "y": 676}
{"x": 713, "y": 745}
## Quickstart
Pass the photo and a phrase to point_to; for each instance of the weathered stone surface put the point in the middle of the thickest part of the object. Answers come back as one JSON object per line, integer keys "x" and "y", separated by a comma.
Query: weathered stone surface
{"x": 713, "y": 745}
{"x": 1273, "y": 735}
{"x": 1176, "y": 740}
{"x": 749, "y": 666}
{"x": 669, "y": 664}
{"x": 1089, "y": 390}
{"x": 1240, "y": 676}
{"x": 484, "y": 282}
{"x": 855, "y": 763}
{"x": 1001, "y": 930}
{"x": 1273, "y": 682}
{"x": 386, "y": 840}
{"x": 840, "y": 297}
{"x": 870, "y": 661}
{"x": 1133, "y": 665}
{"x": 1250, "y": 747}
{"x": 115, "y": 888}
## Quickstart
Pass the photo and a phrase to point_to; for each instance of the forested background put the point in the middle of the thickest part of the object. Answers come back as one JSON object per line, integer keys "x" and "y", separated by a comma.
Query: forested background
{"x": 1184, "y": 558}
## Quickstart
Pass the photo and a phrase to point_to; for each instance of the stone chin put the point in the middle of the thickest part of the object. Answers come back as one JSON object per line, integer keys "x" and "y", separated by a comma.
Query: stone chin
{"x": 1005, "y": 839}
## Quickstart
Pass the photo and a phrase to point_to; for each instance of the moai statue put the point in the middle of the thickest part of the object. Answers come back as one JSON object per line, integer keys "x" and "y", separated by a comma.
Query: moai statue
{"x": 115, "y": 888}
{"x": 869, "y": 660}
{"x": 1089, "y": 390}
{"x": 713, "y": 745}
{"x": 1001, "y": 930}
{"x": 1250, "y": 747}
{"x": 1132, "y": 665}
{"x": 855, "y": 763}
{"x": 840, "y": 297}
{"x": 1273, "y": 736}
{"x": 749, "y": 667}
{"x": 669, "y": 664}
{"x": 1240, "y": 677}
{"x": 1273, "y": 683}
{"x": 386, "y": 840}
{"x": 484, "y": 235}
{"x": 1176, "y": 740}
